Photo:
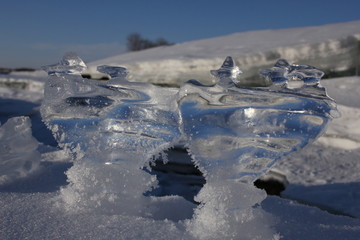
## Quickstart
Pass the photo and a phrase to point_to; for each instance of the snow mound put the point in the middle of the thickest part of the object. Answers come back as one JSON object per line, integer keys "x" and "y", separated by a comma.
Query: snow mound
{"x": 330, "y": 47}
{"x": 343, "y": 133}
{"x": 18, "y": 150}
{"x": 237, "y": 44}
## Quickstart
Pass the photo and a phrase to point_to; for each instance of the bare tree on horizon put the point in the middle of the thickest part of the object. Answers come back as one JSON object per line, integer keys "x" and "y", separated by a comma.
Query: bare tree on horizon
{"x": 135, "y": 42}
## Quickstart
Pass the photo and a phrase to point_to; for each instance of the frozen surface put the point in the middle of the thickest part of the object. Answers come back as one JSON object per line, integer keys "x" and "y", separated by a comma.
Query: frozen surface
{"x": 317, "y": 166}
{"x": 44, "y": 221}
{"x": 326, "y": 173}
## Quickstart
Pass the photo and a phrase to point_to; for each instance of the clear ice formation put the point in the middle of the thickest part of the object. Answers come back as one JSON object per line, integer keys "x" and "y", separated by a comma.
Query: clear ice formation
{"x": 283, "y": 71}
{"x": 233, "y": 133}
{"x": 228, "y": 74}
{"x": 238, "y": 133}
{"x": 70, "y": 64}
{"x": 116, "y": 118}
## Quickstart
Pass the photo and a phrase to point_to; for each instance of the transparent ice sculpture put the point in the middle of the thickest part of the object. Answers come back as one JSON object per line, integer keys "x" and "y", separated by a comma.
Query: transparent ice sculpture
{"x": 117, "y": 118}
{"x": 112, "y": 128}
{"x": 239, "y": 133}
{"x": 234, "y": 134}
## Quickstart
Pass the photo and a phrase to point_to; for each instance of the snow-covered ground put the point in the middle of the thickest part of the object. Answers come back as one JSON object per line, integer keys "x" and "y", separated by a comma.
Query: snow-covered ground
{"x": 322, "y": 199}
{"x": 326, "y": 173}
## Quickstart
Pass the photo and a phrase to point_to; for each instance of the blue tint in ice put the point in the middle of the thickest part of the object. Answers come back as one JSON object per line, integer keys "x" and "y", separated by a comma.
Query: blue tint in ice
{"x": 114, "y": 117}
{"x": 308, "y": 74}
{"x": 234, "y": 135}
{"x": 283, "y": 71}
{"x": 277, "y": 74}
{"x": 113, "y": 72}
{"x": 112, "y": 128}
{"x": 228, "y": 74}
{"x": 240, "y": 132}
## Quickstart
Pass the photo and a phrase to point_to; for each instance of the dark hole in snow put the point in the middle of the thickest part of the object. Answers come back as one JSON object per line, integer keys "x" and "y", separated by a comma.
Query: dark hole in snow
{"x": 178, "y": 176}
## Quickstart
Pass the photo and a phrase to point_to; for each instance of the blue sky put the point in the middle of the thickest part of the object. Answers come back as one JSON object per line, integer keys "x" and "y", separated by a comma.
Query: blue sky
{"x": 36, "y": 33}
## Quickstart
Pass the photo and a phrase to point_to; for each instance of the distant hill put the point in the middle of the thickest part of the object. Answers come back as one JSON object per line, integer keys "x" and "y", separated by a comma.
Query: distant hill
{"x": 334, "y": 48}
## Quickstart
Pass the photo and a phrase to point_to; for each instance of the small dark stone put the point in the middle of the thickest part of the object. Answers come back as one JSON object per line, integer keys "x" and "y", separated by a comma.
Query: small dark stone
{"x": 272, "y": 183}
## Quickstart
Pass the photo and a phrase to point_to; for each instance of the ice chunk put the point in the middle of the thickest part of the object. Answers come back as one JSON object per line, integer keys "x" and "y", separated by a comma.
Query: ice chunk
{"x": 70, "y": 64}
{"x": 18, "y": 150}
{"x": 236, "y": 134}
{"x": 228, "y": 74}
{"x": 113, "y": 129}
{"x": 308, "y": 74}
{"x": 116, "y": 118}
{"x": 277, "y": 74}
{"x": 283, "y": 63}
{"x": 283, "y": 71}
{"x": 113, "y": 72}
{"x": 240, "y": 133}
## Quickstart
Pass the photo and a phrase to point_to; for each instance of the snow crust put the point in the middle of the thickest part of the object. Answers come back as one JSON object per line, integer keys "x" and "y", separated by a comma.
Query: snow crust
{"x": 277, "y": 218}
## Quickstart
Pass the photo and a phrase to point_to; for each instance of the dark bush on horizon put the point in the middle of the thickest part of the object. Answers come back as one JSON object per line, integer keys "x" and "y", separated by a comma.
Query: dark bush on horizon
{"x": 135, "y": 42}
